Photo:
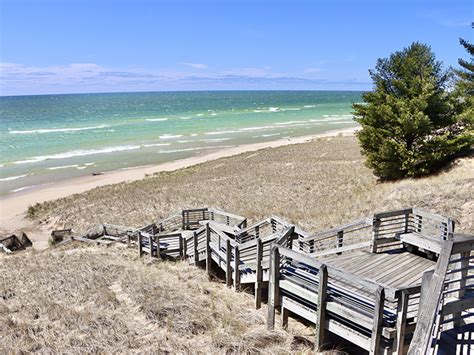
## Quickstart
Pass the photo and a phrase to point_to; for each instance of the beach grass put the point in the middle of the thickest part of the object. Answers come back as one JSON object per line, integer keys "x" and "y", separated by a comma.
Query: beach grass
{"x": 87, "y": 299}
{"x": 315, "y": 185}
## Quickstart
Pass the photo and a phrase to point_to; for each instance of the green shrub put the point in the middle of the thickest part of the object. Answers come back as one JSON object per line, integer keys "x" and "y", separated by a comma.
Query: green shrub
{"x": 409, "y": 122}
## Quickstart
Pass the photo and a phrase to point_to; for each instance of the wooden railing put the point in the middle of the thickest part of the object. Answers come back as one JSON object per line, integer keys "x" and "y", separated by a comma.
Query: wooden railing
{"x": 329, "y": 297}
{"x": 347, "y": 237}
{"x": 411, "y": 227}
{"x": 447, "y": 298}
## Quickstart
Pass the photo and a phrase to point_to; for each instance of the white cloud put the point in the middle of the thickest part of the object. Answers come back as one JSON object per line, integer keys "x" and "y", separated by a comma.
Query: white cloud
{"x": 18, "y": 79}
{"x": 194, "y": 65}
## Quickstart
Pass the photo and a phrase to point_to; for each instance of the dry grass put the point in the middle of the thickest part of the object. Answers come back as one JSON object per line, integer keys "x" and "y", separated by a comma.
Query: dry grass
{"x": 315, "y": 185}
{"x": 90, "y": 299}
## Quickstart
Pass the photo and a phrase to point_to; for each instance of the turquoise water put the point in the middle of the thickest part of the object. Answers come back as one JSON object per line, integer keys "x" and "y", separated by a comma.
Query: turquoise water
{"x": 51, "y": 137}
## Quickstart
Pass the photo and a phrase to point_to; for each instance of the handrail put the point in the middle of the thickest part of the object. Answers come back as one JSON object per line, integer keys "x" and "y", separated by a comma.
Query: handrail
{"x": 427, "y": 318}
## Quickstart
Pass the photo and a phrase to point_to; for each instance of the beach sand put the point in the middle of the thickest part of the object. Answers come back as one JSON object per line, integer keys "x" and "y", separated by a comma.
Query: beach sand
{"x": 13, "y": 207}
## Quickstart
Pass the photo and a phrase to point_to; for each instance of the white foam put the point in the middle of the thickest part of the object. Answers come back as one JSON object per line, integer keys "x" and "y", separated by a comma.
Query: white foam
{"x": 200, "y": 114}
{"x": 77, "y": 153}
{"x": 186, "y": 141}
{"x": 216, "y": 139}
{"x": 185, "y": 117}
{"x": 289, "y": 122}
{"x": 23, "y": 188}
{"x": 81, "y": 167}
{"x": 13, "y": 177}
{"x": 269, "y": 135}
{"x": 156, "y": 119}
{"x": 53, "y": 130}
{"x": 309, "y": 106}
{"x": 156, "y": 144}
{"x": 220, "y": 132}
{"x": 213, "y": 114}
{"x": 194, "y": 134}
{"x": 256, "y": 128}
{"x": 89, "y": 164}
{"x": 63, "y": 167}
{"x": 196, "y": 148}
{"x": 170, "y": 136}
{"x": 273, "y": 109}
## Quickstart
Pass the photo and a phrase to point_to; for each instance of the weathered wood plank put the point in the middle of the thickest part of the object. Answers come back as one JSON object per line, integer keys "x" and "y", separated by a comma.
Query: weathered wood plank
{"x": 422, "y": 337}
{"x": 378, "y": 319}
{"x": 321, "y": 308}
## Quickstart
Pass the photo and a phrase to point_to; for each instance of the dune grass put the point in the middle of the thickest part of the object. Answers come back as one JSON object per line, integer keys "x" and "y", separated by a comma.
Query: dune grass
{"x": 85, "y": 299}
{"x": 315, "y": 185}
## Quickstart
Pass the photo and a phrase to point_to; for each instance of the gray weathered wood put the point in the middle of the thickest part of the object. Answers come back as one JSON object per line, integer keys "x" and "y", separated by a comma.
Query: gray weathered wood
{"x": 228, "y": 268}
{"x": 195, "y": 246}
{"x": 402, "y": 308}
{"x": 236, "y": 268}
{"x": 140, "y": 246}
{"x": 375, "y": 234}
{"x": 150, "y": 243}
{"x": 208, "y": 250}
{"x": 321, "y": 308}
{"x": 273, "y": 286}
{"x": 375, "y": 348}
{"x": 427, "y": 315}
{"x": 185, "y": 248}
{"x": 259, "y": 275}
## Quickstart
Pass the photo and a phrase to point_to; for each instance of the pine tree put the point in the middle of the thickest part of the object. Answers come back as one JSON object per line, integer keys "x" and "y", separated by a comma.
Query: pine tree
{"x": 408, "y": 121}
{"x": 464, "y": 91}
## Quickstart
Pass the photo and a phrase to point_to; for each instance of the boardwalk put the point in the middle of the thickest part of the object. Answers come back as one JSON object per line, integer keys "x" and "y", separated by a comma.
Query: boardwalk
{"x": 399, "y": 282}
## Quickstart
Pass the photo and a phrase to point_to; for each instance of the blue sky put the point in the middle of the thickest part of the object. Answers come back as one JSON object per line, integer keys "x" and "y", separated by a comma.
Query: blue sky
{"x": 74, "y": 46}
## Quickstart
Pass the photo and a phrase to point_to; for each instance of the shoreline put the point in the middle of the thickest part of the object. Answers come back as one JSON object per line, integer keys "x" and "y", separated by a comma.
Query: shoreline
{"x": 14, "y": 206}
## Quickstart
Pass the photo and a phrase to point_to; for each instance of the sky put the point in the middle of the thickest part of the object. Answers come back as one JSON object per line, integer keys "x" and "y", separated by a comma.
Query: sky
{"x": 81, "y": 46}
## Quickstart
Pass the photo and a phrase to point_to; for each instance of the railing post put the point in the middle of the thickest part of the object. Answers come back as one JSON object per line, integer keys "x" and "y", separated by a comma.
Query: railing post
{"x": 402, "y": 308}
{"x": 228, "y": 265}
{"x": 236, "y": 267}
{"x": 140, "y": 246}
{"x": 157, "y": 240}
{"x": 183, "y": 219}
{"x": 340, "y": 240}
{"x": 259, "y": 275}
{"x": 185, "y": 248}
{"x": 104, "y": 230}
{"x": 181, "y": 244}
{"x": 463, "y": 266}
{"x": 407, "y": 221}
{"x": 150, "y": 242}
{"x": 424, "y": 290}
{"x": 273, "y": 286}
{"x": 128, "y": 239}
{"x": 208, "y": 249}
{"x": 196, "y": 253}
{"x": 321, "y": 305}
{"x": 375, "y": 234}
{"x": 378, "y": 322}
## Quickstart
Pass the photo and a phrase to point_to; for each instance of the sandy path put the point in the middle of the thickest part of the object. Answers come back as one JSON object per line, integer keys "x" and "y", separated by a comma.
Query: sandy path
{"x": 14, "y": 206}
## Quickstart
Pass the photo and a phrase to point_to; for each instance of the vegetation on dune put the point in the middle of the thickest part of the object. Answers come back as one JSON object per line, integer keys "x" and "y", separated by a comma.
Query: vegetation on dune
{"x": 314, "y": 185}
{"x": 90, "y": 299}
{"x": 411, "y": 124}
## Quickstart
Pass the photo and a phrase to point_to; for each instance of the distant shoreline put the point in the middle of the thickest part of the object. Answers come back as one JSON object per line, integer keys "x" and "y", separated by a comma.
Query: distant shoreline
{"x": 14, "y": 205}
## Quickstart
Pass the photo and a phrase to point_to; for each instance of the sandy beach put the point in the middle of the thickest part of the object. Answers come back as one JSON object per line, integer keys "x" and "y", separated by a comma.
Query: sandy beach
{"x": 14, "y": 206}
